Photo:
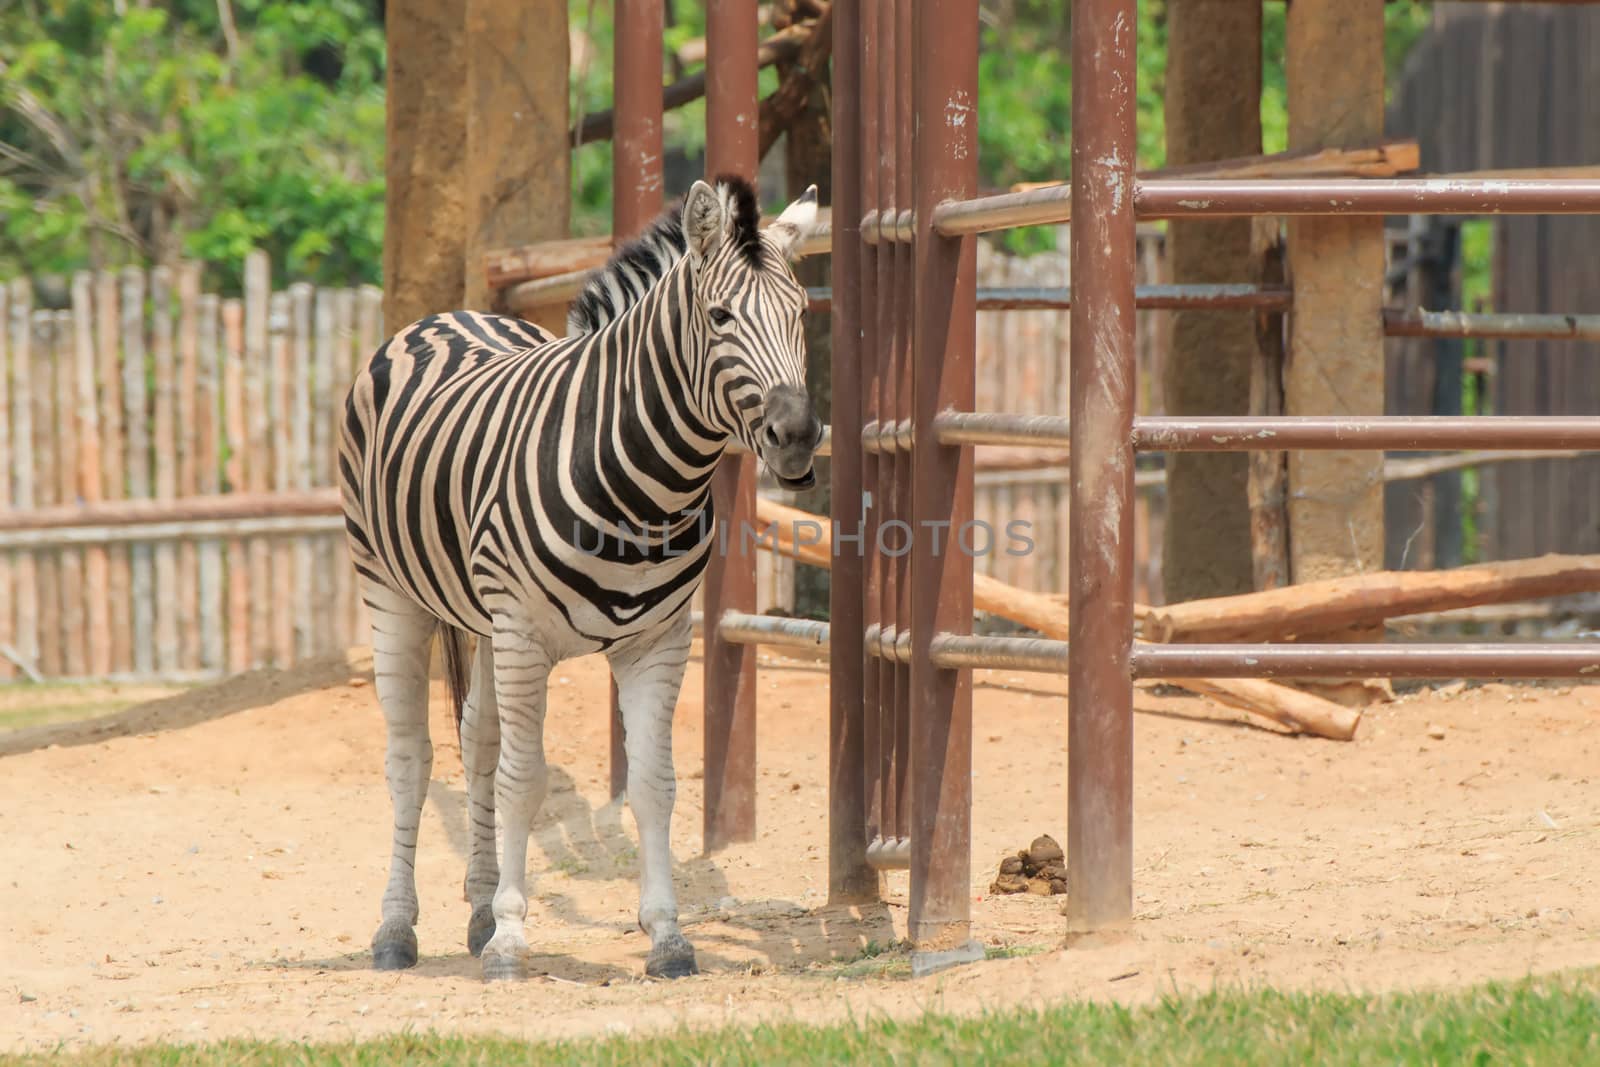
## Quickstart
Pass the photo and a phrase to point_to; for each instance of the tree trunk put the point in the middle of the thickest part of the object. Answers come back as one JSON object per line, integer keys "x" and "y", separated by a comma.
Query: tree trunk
{"x": 1213, "y": 111}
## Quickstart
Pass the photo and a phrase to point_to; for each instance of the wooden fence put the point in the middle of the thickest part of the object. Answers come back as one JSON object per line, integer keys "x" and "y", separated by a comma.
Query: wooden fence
{"x": 145, "y": 387}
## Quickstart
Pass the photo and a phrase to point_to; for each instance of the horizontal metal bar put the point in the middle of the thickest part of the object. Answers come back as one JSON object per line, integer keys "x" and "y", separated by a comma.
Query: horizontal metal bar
{"x": 1419, "y": 323}
{"x": 1003, "y": 211}
{"x": 968, "y": 651}
{"x": 1364, "y": 661}
{"x": 741, "y": 628}
{"x": 1002, "y": 428}
{"x": 891, "y": 854}
{"x": 1274, "y": 433}
{"x": 1147, "y": 297}
{"x": 1170, "y": 198}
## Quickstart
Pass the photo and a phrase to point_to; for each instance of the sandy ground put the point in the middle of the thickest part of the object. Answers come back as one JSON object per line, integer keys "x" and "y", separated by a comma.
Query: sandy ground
{"x": 211, "y": 865}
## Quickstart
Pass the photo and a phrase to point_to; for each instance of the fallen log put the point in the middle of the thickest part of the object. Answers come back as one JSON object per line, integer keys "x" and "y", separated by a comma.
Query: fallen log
{"x": 1047, "y": 614}
{"x": 1318, "y": 609}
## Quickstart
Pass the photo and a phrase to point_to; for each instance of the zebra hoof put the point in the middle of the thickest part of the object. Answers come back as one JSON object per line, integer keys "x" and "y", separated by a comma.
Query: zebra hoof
{"x": 504, "y": 962}
{"x": 480, "y": 928}
{"x": 671, "y": 957}
{"x": 394, "y": 947}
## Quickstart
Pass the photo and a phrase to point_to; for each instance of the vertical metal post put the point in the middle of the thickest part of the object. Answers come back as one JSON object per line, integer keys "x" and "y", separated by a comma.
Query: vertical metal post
{"x": 850, "y": 880}
{"x": 871, "y": 487}
{"x": 889, "y": 326}
{"x": 636, "y": 187}
{"x": 945, "y": 165}
{"x": 732, "y": 145}
{"x": 1100, "y": 626}
{"x": 904, "y": 306}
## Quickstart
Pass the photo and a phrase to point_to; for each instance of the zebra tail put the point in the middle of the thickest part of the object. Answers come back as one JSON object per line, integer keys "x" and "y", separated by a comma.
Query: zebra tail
{"x": 457, "y": 668}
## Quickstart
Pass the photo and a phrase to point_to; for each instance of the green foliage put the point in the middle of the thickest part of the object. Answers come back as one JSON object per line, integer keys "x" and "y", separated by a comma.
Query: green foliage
{"x": 145, "y": 136}
{"x": 1534, "y": 1021}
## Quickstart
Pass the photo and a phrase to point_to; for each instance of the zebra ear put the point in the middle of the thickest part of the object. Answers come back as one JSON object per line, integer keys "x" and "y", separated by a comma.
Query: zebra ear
{"x": 704, "y": 219}
{"x": 795, "y": 224}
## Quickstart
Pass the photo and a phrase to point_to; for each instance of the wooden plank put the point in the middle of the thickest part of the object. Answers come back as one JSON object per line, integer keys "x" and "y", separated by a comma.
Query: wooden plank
{"x": 136, "y": 455}
{"x": 280, "y": 445}
{"x": 8, "y": 618}
{"x": 96, "y": 590}
{"x": 241, "y": 650}
{"x": 188, "y": 482}
{"x": 370, "y": 335}
{"x": 47, "y": 488}
{"x": 319, "y": 610}
{"x": 301, "y": 372}
{"x": 25, "y": 635}
{"x": 113, "y": 466}
{"x": 345, "y": 355}
{"x": 208, "y": 481}
{"x": 164, "y": 446}
{"x": 74, "y": 643}
{"x": 260, "y": 406}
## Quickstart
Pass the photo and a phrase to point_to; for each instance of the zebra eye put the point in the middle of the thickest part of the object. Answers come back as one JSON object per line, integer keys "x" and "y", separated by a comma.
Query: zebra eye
{"x": 721, "y": 316}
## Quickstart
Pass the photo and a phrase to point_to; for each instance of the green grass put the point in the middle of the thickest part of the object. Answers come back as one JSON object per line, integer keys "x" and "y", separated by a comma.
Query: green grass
{"x": 1554, "y": 1020}
{"x": 36, "y": 705}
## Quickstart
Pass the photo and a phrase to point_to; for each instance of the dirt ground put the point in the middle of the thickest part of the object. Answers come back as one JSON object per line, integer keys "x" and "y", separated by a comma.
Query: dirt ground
{"x": 211, "y": 865}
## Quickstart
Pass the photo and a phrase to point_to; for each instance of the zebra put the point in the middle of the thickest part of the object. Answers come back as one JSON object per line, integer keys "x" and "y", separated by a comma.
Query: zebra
{"x": 552, "y": 497}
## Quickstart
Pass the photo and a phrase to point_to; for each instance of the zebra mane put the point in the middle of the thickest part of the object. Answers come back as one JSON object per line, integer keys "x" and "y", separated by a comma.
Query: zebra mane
{"x": 646, "y": 259}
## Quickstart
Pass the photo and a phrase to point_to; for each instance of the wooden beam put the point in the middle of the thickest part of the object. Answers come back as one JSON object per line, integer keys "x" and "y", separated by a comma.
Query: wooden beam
{"x": 1385, "y": 159}
{"x": 1338, "y": 605}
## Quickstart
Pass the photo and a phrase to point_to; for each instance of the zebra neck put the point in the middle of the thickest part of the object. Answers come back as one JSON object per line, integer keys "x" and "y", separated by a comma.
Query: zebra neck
{"x": 658, "y": 437}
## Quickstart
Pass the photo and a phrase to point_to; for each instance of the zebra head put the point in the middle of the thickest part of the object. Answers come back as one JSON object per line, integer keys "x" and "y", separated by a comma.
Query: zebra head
{"x": 747, "y": 307}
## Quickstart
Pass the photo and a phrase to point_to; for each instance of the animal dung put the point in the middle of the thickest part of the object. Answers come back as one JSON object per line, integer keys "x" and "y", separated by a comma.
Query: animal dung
{"x": 1039, "y": 869}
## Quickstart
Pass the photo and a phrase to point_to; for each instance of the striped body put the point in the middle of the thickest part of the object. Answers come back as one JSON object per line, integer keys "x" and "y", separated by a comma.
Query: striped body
{"x": 483, "y": 472}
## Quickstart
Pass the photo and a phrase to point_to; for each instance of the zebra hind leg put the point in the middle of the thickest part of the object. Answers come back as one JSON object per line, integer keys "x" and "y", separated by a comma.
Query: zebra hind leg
{"x": 648, "y": 679}
{"x": 480, "y": 750}
{"x": 401, "y": 632}
{"x": 521, "y": 679}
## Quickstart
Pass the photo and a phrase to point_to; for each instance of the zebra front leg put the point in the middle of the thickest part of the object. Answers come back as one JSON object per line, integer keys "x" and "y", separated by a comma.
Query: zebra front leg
{"x": 521, "y": 677}
{"x": 400, "y": 635}
{"x": 480, "y": 750}
{"x": 648, "y": 680}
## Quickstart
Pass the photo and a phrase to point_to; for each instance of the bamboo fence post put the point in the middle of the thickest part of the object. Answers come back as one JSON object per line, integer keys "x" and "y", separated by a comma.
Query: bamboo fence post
{"x": 95, "y": 594}
{"x": 7, "y": 607}
{"x": 208, "y": 482}
{"x": 318, "y": 610}
{"x": 47, "y": 490}
{"x": 369, "y": 336}
{"x": 186, "y": 384}
{"x": 345, "y": 354}
{"x": 260, "y": 406}
{"x": 136, "y": 425}
{"x": 300, "y": 418}
{"x": 74, "y": 657}
{"x": 234, "y": 402}
{"x": 279, "y": 390}
{"x": 108, "y": 349}
{"x": 26, "y": 569}
{"x": 164, "y": 447}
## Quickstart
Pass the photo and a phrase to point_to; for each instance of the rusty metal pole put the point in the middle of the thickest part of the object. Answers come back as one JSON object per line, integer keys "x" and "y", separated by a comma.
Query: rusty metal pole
{"x": 884, "y": 382}
{"x": 871, "y": 411}
{"x": 1100, "y": 626}
{"x": 732, "y": 147}
{"x": 850, "y": 880}
{"x": 904, "y": 307}
{"x": 945, "y": 164}
{"x": 636, "y": 187}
